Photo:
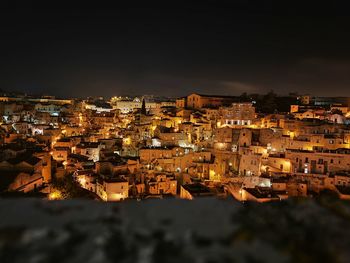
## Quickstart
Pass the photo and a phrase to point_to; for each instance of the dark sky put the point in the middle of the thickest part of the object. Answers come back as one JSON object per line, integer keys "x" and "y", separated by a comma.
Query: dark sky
{"x": 226, "y": 49}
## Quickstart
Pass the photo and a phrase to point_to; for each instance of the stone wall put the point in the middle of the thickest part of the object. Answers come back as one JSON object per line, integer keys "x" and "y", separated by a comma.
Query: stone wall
{"x": 203, "y": 230}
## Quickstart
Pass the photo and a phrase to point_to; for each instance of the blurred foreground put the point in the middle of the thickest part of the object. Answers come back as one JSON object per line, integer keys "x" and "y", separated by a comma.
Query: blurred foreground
{"x": 203, "y": 230}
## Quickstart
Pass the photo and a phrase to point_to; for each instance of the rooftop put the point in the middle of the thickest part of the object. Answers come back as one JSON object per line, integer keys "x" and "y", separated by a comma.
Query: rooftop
{"x": 261, "y": 192}
{"x": 197, "y": 189}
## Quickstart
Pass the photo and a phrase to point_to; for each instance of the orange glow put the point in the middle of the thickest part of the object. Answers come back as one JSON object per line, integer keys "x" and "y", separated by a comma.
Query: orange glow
{"x": 55, "y": 195}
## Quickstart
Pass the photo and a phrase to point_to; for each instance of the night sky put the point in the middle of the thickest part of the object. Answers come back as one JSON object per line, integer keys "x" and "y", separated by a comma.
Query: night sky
{"x": 228, "y": 49}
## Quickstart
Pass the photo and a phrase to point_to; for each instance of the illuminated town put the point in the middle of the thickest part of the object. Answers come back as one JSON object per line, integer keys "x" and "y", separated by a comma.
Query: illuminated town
{"x": 249, "y": 147}
{"x": 175, "y": 131}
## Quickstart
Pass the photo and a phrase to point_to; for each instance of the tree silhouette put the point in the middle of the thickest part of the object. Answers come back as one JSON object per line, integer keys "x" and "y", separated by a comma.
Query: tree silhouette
{"x": 269, "y": 102}
{"x": 143, "y": 107}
